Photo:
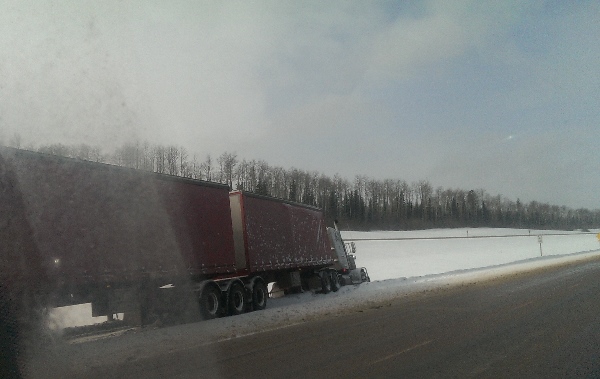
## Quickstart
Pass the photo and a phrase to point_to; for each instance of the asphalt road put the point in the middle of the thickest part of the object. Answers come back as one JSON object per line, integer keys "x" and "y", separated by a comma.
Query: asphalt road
{"x": 543, "y": 324}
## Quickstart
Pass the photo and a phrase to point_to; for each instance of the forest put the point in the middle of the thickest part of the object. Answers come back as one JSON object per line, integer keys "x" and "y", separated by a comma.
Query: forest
{"x": 359, "y": 204}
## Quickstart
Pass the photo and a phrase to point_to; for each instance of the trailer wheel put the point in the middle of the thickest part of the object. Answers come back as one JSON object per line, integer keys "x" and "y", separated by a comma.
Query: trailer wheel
{"x": 325, "y": 282}
{"x": 335, "y": 281}
{"x": 259, "y": 296}
{"x": 210, "y": 302}
{"x": 236, "y": 299}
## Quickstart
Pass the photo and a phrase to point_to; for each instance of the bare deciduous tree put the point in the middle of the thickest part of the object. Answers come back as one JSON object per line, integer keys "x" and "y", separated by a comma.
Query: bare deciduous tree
{"x": 363, "y": 203}
{"x": 206, "y": 168}
{"x": 227, "y": 163}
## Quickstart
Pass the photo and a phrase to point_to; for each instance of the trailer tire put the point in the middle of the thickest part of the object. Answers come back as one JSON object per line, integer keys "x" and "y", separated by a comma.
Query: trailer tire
{"x": 259, "y": 295}
{"x": 210, "y": 302}
{"x": 325, "y": 282}
{"x": 335, "y": 281}
{"x": 236, "y": 299}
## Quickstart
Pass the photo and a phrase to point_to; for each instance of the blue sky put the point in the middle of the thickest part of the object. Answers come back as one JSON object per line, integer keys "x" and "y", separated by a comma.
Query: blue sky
{"x": 502, "y": 96}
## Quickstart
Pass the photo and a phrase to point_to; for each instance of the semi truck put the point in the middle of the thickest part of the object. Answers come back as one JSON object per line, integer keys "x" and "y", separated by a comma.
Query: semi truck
{"x": 152, "y": 245}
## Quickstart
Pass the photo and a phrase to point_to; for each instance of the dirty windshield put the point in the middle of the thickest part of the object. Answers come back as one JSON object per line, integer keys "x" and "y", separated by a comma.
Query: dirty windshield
{"x": 292, "y": 189}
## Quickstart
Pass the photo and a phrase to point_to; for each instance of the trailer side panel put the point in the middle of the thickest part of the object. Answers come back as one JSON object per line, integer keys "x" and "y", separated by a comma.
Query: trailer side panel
{"x": 95, "y": 223}
{"x": 282, "y": 235}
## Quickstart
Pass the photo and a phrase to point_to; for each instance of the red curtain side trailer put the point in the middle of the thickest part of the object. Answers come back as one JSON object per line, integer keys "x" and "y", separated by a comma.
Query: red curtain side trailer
{"x": 145, "y": 244}
{"x": 285, "y": 242}
{"x": 108, "y": 235}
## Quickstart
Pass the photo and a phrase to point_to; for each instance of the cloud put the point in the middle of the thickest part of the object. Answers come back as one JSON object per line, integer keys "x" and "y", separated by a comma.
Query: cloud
{"x": 215, "y": 74}
{"x": 410, "y": 90}
{"x": 414, "y": 44}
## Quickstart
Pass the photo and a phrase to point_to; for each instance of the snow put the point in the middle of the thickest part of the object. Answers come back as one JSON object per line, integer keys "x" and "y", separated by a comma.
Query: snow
{"x": 74, "y": 315}
{"x": 405, "y": 263}
{"x": 427, "y": 252}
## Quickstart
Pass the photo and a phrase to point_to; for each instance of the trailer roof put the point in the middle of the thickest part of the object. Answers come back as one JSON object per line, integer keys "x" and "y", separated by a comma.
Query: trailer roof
{"x": 270, "y": 198}
{"x": 108, "y": 166}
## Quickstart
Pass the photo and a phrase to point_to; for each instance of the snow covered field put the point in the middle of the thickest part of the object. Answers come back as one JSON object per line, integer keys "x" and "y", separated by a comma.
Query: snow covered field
{"x": 427, "y": 252}
{"x": 404, "y": 263}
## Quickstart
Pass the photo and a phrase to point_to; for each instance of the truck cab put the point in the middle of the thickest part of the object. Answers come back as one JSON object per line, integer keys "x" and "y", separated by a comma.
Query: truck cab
{"x": 346, "y": 259}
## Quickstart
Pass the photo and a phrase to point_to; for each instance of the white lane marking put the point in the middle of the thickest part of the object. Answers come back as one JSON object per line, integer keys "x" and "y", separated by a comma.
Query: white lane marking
{"x": 402, "y": 352}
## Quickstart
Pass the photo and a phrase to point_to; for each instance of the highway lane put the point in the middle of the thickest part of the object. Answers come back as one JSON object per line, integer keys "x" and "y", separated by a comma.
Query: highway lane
{"x": 544, "y": 324}
{"x": 541, "y": 324}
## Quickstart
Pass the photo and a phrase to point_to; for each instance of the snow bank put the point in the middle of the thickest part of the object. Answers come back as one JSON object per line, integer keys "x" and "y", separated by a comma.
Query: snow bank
{"x": 304, "y": 307}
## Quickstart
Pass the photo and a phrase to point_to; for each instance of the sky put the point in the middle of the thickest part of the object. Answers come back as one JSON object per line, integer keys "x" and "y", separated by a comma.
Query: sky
{"x": 502, "y": 96}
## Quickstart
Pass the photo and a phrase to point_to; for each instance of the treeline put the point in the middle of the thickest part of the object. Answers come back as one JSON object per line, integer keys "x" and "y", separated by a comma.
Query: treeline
{"x": 362, "y": 204}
